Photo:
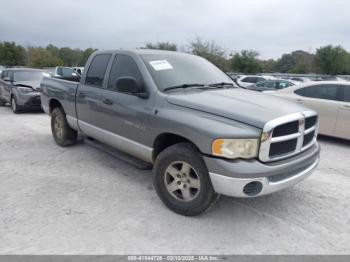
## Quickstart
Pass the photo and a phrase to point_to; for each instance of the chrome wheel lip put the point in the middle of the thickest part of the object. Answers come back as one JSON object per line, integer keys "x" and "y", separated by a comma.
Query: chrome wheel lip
{"x": 180, "y": 183}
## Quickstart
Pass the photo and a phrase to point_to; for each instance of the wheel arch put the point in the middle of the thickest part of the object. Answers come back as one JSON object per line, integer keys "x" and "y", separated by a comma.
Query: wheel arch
{"x": 165, "y": 140}
{"x": 53, "y": 103}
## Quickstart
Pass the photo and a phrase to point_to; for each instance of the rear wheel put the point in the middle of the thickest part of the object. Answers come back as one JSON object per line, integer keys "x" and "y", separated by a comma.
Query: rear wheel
{"x": 182, "y": 181}
{"x": 63, "y": 134}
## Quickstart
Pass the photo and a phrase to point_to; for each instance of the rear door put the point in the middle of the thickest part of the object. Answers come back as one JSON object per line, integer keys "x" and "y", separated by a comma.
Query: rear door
{"x": 343, "y": 121}
{"x": 88, "y": 97}
{"x": 324, "y": 99}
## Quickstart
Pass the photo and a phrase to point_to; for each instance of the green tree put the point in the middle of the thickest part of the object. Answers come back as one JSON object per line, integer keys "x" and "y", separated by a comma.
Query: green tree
{"x": 70, "y": 57}
{"x": 39, "y": 57}
{"x": 12, "y": 54}
{"x": 268, "y": 66}
{"x": 332, "y": 60}
{"x": 246, "y": 61}
{"x": 85, "y": 56}
{"x": 210, "y": 51}
{"x": 162, "y": 46}
{"x": 285, "y": 63}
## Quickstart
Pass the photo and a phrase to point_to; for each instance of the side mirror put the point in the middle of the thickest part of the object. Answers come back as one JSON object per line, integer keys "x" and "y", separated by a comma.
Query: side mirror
{"x": 130, "y": 85}
{"x": 7, "y": 79}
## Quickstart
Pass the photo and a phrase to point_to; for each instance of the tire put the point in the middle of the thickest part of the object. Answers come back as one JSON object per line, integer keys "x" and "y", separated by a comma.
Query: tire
{"x": 62, "y": 133}
{"x": 2, "y": 103}
{"x": 182, "y": 181}
{"x": 14, "y": 106}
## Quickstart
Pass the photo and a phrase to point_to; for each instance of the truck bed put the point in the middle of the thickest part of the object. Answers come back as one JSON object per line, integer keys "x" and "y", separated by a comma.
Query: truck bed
{"x": 62, "y": 90}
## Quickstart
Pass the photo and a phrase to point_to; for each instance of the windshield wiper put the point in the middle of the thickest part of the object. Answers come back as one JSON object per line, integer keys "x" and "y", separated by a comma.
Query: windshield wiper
{"x": 182, "y": 86}
{"x": 221, "y": 84}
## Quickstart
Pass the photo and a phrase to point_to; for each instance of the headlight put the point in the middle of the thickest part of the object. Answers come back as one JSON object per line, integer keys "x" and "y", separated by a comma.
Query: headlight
{"x": 23, "y": 89}
{"x": 235, "y": 148}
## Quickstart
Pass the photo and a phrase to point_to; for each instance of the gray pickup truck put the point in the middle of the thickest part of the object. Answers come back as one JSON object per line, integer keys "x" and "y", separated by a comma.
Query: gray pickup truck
{"x": 203, "y": 135}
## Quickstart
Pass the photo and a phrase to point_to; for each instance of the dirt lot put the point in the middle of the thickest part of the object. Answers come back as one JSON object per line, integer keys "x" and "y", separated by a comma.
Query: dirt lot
{"x": 80, "y": 200}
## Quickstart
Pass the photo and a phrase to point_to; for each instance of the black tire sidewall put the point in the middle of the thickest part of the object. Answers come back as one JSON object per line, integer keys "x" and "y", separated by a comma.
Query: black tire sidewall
{"x": 68, "y": 134}
{"x": 187, "y": 153}
{"x": 13, "y": 99}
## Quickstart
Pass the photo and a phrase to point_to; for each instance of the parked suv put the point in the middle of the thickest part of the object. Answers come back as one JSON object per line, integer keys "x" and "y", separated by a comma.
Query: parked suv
{"x": 182, "y": 114}
{"x": 245, "y": 81}
{"x": 21, "y": 88}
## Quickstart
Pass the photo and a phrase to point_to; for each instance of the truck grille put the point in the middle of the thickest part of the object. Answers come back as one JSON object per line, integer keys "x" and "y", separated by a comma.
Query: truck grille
{"x": 287, "y": 136}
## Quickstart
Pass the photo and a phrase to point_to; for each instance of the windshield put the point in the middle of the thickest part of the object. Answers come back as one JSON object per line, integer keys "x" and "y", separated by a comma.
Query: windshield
{"x": 20, "y": 76}
{"x": 176, "y": 69}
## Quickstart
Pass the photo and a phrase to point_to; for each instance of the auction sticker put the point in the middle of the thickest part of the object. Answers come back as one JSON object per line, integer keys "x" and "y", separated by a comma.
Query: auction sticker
{"x": 161, "y": 65}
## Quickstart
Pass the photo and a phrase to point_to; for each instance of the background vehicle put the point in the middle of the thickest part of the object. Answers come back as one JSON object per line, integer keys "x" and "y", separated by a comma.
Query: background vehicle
{"x": 2, "y": 68}
{"x": 182, "y": 114}
{"x": 79, "y": 70}
{"x": 245, "y": 81}
{"x": 21, "y": 88}
{"x": 66, "y": 73}
{"x": 300, "y": 79}
{"x": 271, "y": 85}
{"x": 331, "y": 99}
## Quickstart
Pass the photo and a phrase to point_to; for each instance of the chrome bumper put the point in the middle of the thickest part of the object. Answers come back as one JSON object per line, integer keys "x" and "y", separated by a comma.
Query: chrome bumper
{"x": 263, "y": 180}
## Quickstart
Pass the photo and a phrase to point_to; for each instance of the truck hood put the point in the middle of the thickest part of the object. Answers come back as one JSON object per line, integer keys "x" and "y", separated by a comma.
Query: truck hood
{"x": 33, "y": 84}
{"x": 249, "y": 107}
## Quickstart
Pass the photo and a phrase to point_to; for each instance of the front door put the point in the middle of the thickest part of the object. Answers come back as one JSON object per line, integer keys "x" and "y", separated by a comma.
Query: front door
{"x": 126, "y": 116}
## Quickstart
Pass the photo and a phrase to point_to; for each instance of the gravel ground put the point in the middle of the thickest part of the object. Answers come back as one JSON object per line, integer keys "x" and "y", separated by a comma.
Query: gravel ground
{"x": 81, "y": 200}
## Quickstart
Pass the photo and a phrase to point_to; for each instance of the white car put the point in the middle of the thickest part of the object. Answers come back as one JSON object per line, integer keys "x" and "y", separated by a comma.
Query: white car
{"x": 331, "y": 99}
{"x": 245, "y": 81}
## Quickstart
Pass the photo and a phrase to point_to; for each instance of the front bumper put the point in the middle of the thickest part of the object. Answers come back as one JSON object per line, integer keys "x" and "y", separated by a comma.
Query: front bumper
{"x": 251, "y": 178}
{"x": 29, "y": 100}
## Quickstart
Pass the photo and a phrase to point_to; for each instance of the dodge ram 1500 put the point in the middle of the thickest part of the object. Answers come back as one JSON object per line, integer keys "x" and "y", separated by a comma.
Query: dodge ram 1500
{"x": 203, "y": 135}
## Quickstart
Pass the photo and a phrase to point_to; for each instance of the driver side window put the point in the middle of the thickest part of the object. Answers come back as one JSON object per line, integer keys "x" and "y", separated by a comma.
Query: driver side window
{"x": 123, "y": 66}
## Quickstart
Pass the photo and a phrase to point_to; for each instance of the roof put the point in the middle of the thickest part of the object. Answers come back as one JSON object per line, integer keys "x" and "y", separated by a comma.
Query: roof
{"x": 142, "y": 51}
{"x": 23, "y": 69}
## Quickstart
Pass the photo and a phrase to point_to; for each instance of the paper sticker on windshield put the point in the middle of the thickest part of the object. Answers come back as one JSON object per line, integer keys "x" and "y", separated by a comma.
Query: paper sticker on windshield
{"x": 161, "y": 65}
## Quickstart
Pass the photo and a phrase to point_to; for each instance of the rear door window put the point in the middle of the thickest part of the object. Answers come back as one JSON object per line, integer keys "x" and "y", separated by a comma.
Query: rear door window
{"x": 66, "y": 72}
{"x": 97, "y": 70}
{"x": 327, "y": 92}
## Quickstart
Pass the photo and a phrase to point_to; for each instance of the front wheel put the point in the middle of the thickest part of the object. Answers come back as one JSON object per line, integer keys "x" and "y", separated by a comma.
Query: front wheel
{"x": 182, "y": 181}
{"x": 15, "y": 107}
{"x": 63, "y": 134}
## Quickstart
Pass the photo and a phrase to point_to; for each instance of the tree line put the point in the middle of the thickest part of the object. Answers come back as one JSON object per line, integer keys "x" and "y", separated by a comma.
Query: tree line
{"x": 12, "y": 54}
{"x": 328, "y": 59}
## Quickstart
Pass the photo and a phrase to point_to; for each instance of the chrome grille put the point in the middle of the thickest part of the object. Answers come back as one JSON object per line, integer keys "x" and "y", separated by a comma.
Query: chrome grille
{"x": 288, "y": 135}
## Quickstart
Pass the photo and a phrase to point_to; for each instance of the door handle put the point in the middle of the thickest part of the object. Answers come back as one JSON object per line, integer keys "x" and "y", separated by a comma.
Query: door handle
{"x": 299, "y": 101}
{"x": 108, "y": 101}
{"x": 346, "y": 107}
{"x": 81, "y": 94}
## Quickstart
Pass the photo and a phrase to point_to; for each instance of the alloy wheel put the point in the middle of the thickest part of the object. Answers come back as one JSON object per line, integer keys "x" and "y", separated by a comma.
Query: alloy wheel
{"x": 182, "y": 181}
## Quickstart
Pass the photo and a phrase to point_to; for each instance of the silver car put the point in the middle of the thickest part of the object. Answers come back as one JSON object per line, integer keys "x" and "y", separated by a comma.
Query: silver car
{"x": 331, "y": 99}
{"x": 21, "y": 88}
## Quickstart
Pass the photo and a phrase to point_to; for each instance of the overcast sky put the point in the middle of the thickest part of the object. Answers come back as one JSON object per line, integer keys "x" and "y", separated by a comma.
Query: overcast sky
{"x": 271, "y": 27}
